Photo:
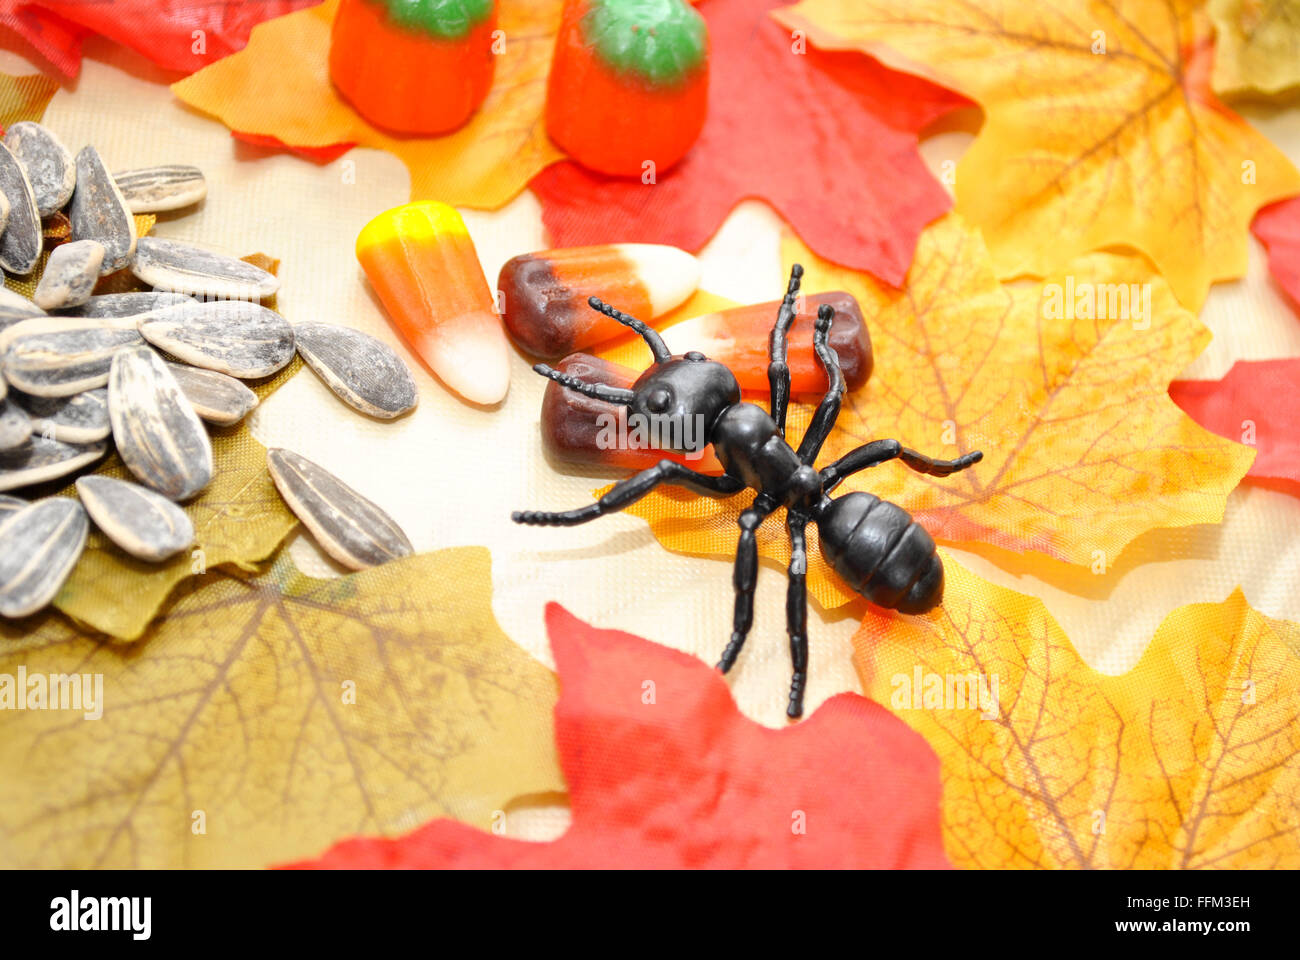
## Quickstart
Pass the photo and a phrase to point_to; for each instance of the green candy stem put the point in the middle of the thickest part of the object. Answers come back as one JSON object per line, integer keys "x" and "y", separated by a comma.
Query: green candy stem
{"x": 444, "y": 19}
{"x": 661, "y": 41}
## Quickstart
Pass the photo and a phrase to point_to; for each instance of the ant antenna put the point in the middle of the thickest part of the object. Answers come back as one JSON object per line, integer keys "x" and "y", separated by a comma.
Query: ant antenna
{"x": 597, "y": 391}
{"x": 649, "y": 335}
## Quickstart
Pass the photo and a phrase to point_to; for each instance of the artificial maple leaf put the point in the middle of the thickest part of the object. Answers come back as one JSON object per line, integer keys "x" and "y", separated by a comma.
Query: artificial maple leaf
{"x": 1189, "y": 760}
{"x": 1256, "y": 402}
{"x": 828, "y": 139}
{"x": 24, "y": 98}
{"x": 1083, "y": 449}
{"x": 1100, "y": 128}
{"x": 180, "y": 35}
{"x": 279, "y": 86}
{"x": 1277, "y": 227}
{"x": 261, "y": 718}
{"x": 664, "y": 772}
{"x": 1257, "y": 45}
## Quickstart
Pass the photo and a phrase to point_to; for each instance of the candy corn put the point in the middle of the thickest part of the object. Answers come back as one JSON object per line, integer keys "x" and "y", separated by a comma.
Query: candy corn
{"x": 421, "y": 261}
{"x": 545, "y": 294}
{"x": 414, "y": 67}
{"x": 628, "y": 90}
{"x": 740, "y": 337}
{"x": 579, "y": 429}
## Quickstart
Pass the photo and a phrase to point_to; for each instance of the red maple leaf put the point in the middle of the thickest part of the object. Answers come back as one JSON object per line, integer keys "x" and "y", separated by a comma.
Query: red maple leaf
{"x": 827, "y": 138}
{"x": 664, "y": 772}
{"x": 1257, "y": 403}
{"x": 179, "y": 35}
{"x": 1277, "y": 227}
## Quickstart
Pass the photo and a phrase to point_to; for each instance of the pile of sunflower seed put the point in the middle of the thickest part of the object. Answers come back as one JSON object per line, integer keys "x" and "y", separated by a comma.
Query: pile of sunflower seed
{"x": 143, "y": 372}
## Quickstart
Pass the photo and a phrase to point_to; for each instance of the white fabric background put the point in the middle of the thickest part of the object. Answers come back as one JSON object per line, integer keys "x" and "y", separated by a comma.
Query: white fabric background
{"x": 451, "y": 473}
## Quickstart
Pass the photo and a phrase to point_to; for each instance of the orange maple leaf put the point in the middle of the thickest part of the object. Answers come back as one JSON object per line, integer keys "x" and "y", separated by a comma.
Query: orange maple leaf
{"x": 1083, "y": 449}
{"x": 1189, "y": 760}
{"x": 1100, "y": 127}
{"x": 279, "y": 86}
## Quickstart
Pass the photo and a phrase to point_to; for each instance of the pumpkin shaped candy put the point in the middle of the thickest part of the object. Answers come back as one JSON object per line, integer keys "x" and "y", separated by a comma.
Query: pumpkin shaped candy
{"x": 414, "y": 66}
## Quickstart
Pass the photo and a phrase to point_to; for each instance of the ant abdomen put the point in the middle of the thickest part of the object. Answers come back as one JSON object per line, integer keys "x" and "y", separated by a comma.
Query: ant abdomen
{"x": 881, "y": 552}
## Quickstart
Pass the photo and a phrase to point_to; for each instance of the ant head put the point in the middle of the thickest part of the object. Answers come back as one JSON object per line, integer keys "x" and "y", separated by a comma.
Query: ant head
{"x": 683, "y": 394}
{"x": 682, "y": 397}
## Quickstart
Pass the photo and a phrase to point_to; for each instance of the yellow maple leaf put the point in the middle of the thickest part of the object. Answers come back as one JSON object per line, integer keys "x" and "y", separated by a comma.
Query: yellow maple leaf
{"x": 262, "y": 719}
{"x": 25, "y": 98}
{"x": 1190, "y": 760}
{"x": 1100, "y": 128}
{"x": 279, "y": 86}
{"x": 1083, "y": 449}
{"x": 1257, "y": 45}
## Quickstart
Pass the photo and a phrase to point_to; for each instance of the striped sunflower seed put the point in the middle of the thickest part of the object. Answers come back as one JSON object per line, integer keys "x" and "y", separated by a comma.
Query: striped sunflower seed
{"x": 363, "y": 371}
{"x": 48, "y": 163}
{"x": 42, "y": 460}
{"x": 70, "y": 275}
{"x": 99, "y": 212}
{"x": 121, "y": 305}
{"x": 142, "y": 523}
{"x": 20, "y": 244}
{"x": 15, "y": 425}
{"x": 158, "y": 435}
{"x": 10, "y": 505}
{"x": 215, "y": 397}
{"x": 39, "y": 546}
{"x": 78, "y": 419}
{"x": 166, "y": 187}
{"x": 184, "y": 268}
{"x": 244, "y": 340}
{"x": 350, "y": 528}
{"x": 70, "y": 356}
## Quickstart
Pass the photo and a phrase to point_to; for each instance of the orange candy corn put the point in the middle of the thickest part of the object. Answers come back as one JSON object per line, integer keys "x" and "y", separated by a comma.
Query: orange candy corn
{"x": 629, "y": 83}
{"x": 414, "y": 67}
{"x": 545, "y": 294}
{"x": 740, "y": 337}
{"x": 581, "y": 429}
{"x": 422, "y": 263}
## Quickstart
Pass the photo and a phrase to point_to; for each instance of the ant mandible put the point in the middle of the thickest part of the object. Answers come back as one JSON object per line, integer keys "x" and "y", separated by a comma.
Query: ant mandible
{"x": 874, "y": 545}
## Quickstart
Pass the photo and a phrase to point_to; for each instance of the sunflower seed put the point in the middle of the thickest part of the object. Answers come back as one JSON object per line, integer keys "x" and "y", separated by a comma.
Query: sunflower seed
{"x": 49, "y": 166}
{"x": 158, "y": 435}
{"x": 348, "y": 527}
{"x": 139, "y": 521}
{"x": 20, "y": 244}
{"x": 99, "y": 212}
{"x": 120, "y": 305}
{"x": 79, "y": 419}
{"x": 363, "y": 371}
{"x": 70, "y": 274}
{"x": 10, "y": 505}
{"x": 42, "y": 460}
{"x": 215, "y": 397}
{"x": 29, "y": 326}
{"x": 63, "y": 362}
{"x": 167, "y": 187}
{"x": 15, "y": 425}
{"x": 39, "y": 546}
{"x": 13, "y": 303}
{"x": 184, "y": 268}
{"x": 245, "y": 340}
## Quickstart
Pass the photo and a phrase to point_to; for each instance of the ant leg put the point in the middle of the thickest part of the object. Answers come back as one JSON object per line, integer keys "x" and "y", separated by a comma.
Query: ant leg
{"x": 828, "y": 410}
{"x": 629, "y": 491}
{"x": 778, "y": 371}
{"x": 880, "y": 451}
{"x": 745, "y": 576}
{"x": 796, "y": 612}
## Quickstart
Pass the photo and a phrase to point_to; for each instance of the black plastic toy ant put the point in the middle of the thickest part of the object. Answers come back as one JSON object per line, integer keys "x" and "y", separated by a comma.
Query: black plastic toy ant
{"x": 874, "y": 545}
